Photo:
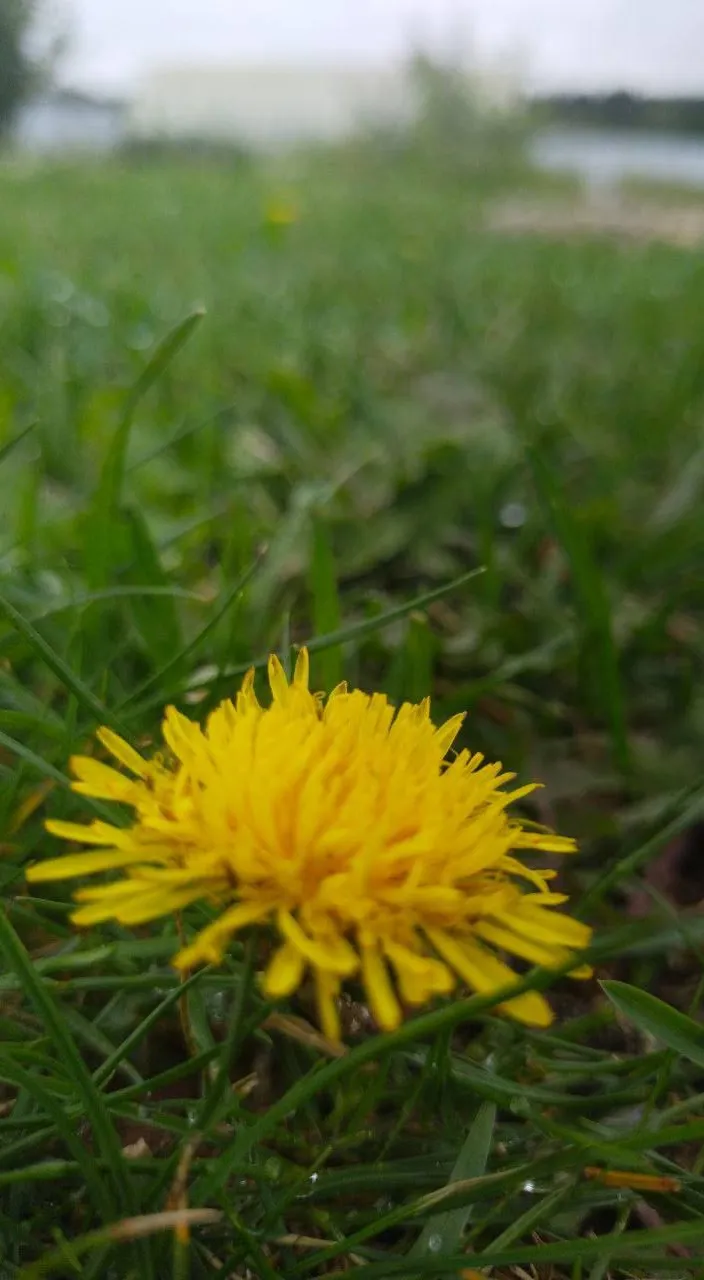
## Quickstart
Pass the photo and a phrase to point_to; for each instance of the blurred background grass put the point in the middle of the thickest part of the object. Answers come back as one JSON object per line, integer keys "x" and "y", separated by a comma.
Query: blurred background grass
{"x": 387, "y": 393}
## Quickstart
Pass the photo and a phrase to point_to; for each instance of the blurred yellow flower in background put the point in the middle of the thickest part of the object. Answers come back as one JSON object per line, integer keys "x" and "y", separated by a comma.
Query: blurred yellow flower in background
{"x": 340, "y": 824}
{"x": 281, "y": 211}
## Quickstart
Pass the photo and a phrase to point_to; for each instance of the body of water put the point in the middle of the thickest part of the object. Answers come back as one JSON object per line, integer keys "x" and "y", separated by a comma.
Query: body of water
{"x": 605, "y": 157}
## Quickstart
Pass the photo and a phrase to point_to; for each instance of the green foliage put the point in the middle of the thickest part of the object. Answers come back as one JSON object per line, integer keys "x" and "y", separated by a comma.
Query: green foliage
{"x": 464, "y": 130}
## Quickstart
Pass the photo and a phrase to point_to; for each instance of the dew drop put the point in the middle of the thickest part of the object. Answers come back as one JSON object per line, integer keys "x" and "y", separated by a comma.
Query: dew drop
{"x": 513, "y": 515}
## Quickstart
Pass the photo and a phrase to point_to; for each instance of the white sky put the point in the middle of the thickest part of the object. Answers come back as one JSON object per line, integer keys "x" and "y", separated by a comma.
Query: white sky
{"x": 652, "y": 45}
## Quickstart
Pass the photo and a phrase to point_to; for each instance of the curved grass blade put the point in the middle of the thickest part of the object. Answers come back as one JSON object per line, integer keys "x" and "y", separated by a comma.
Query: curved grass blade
{"x": 656, "y": 1018}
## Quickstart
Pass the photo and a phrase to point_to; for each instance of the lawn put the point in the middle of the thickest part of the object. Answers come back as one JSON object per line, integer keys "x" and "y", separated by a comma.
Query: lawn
{"x": 242, "y": 408}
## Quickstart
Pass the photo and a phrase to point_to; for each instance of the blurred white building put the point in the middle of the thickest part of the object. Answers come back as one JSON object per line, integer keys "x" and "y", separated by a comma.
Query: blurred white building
{"x": 268, "y": 105}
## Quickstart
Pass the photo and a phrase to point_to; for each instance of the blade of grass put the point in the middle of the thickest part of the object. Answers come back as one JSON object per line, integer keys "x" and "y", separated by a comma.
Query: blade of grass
{"x": 325, "y": 597}
{"x": 103, "y": 1073}
{"x": 367, "y": 626}
{"x": 104, "y": 510}
{"x": 83, "y": 695}
{"x": 466, "y": 1192}
{"x": 356, "y": 630}
{"x": 631, "y": 1245}
{"x": 221, "y": 1081}
{"x": 533, "y": 1217}
{"x": 598, "y": 645}
{"x": 655, "y": 1018}
{"x": 156, "y": 619}
{"x": 6, "y": 449}
{"x": 443, "y": 1232}
{"x": 41, "y": 998}
{"x": 159, "y": 679}
{"x": 31, "y": 758}
{"x": 602, "y": 1264}
{"x": 99, "y": 1189}
{"x": 411, "y": 676}
{"x": 688, "y": 809}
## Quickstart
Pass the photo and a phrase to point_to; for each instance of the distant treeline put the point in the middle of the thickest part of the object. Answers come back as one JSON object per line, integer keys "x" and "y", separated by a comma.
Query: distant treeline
{"x": 625, "y": 111}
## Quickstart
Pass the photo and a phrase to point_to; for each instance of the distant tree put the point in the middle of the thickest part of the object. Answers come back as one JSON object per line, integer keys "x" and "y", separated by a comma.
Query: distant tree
{"x": 463, "y": 126}
{"x": 20, "y": 68}
{"x": 624, "y": 111}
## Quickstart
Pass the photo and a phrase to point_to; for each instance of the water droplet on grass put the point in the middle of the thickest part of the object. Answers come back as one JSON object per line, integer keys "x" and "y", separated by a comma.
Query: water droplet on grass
{"x": 513, "y": 515}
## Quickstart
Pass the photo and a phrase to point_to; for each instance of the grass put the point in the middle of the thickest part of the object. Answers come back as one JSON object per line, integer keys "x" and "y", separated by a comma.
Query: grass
{"x": 380, "y": 400}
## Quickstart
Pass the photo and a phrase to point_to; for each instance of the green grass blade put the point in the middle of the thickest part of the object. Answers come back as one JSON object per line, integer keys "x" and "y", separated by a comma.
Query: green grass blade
{"x": 98, "y": 549}
{"x": 83, "y": 695}
{"x": 38, "y": 994}
{"x": 326, "y": 607}
{"x": 687, "y": 810}
{"x": 357, "y": 630}
{"x": 159, "y": 679}
{"x": 99, "y": 1189}
{"x": 411, "y": 675}
{"x": 221, "y": 1082}
{"x": 7, "y": 449}
{"x": 155, "y": 617}
{"x": 533, "y": 1217}
{"x": 599, "y": 650}
{"x": 367, "y": 626}
{"x": 443, "y": 1232}
{"x": 103, "y": 1073}
{"x": 658, "y": 1019}
{"x": 35, "y": 761}
{"x": 630, "y": 1245}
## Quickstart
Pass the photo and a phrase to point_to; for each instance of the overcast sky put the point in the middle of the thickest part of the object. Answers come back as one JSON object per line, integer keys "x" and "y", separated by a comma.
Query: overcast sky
{"x": 653, "y": 45}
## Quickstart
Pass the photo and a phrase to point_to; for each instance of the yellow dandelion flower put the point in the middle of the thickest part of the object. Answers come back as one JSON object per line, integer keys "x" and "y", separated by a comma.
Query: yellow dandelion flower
{"x": 342, "y": 825}
{"x": 281, "y": 213}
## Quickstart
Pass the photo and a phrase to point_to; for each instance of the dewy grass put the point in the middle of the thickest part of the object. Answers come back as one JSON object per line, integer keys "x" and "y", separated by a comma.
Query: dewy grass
{"x": 341, "y": 823}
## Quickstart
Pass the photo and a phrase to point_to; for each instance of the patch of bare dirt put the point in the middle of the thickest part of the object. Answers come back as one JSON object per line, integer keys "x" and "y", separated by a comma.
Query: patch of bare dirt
{"x": 681, "y": 225}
